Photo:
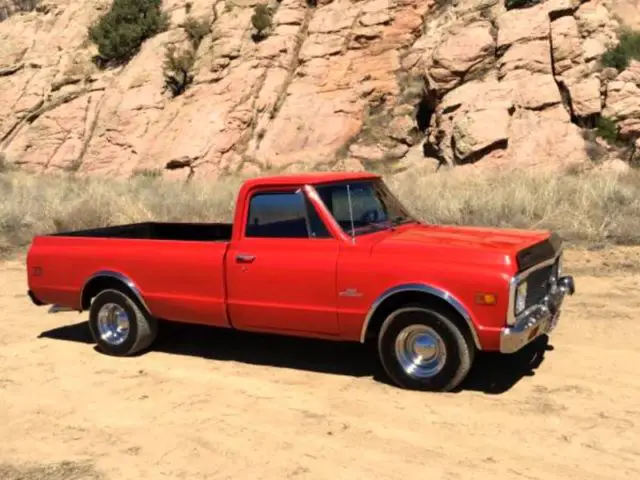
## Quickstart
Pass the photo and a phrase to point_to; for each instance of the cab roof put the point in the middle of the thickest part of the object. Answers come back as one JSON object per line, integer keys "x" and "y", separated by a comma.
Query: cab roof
{"x": 309, "y": 178}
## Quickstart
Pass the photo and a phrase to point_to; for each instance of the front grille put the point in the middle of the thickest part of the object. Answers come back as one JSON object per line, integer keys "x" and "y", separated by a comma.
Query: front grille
{"x": 538, "y": 285}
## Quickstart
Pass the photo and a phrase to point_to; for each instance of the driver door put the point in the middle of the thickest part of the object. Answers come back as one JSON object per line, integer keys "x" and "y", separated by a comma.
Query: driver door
{"x": 281, "y": 273}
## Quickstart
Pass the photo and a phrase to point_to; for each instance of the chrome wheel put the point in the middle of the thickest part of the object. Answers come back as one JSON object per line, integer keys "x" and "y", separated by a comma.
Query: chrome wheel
{"x": 113, "y": 324}
{"x": 420, "y": 351}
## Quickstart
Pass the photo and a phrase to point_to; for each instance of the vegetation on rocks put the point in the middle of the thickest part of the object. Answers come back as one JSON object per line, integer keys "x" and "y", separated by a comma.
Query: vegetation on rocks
{"x": 261, "y": 20}
{"x": 626, "y": 50}
{"x": 119, "y": 33}
{"x": 196, "y": 30}
{"x": 338, "y": 86}
{"x": 625, "y": 146}
{"x": 178, "y": 64}
{"x": 607, "y": 130}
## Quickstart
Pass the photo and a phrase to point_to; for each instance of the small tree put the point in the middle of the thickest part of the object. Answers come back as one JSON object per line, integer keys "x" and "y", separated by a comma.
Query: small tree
{"x": 119, "y": 33}
{"x": 196, "y": 30}
{"x": 177, "y": 70}
{"x": 261, "y": 20}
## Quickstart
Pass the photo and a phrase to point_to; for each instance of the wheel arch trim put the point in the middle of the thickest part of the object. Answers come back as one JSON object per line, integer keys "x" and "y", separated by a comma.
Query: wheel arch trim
{"x": 426, "y": 289}
{"x": 120, "y": 277}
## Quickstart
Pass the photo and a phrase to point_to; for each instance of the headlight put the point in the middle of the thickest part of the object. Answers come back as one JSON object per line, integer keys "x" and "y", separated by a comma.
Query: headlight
{"x": 521, "y": 297}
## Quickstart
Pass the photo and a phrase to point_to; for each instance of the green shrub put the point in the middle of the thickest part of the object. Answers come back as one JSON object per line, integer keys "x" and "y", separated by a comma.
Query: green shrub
{"x": 120, "y": 32}
{"x": 607, "y": 130}
{"x": 627, "y": 49}
{"x": 261, "y": 19}
{"x": 177, "y": 69}
{"x": 196, "y": 30}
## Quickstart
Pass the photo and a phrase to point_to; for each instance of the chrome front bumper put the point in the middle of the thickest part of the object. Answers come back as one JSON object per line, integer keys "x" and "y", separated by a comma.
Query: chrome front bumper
{"x": 538, "y": 319}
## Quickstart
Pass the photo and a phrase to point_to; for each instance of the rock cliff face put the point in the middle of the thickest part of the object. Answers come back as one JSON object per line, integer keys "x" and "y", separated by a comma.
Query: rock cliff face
{"x": 337, "y": 84}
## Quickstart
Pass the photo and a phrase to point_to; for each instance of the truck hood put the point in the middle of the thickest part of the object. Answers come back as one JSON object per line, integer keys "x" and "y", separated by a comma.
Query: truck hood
{"x": 475, "y": 245}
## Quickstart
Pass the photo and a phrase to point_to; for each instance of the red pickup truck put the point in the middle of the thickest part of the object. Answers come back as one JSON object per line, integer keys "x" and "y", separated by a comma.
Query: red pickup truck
{"x": 325, "y": 255}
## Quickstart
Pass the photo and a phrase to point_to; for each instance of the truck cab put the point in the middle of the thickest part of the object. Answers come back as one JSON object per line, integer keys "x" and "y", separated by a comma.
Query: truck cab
{"x": 326, "y": 255}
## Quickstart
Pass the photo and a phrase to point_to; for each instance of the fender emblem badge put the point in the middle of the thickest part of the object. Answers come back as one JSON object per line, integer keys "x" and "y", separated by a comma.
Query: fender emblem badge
{"x": 350, "y": 292}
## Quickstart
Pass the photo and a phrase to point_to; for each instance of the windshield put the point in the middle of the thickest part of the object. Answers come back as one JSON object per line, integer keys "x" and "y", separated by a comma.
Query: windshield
{"x": 373, "y": 205}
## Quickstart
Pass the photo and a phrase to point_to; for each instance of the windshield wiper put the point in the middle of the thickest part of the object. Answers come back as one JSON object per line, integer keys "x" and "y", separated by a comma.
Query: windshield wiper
{"x": 388, "y": 223}
{"x": 381, "y": 224}
{"x": 400, "y": 219}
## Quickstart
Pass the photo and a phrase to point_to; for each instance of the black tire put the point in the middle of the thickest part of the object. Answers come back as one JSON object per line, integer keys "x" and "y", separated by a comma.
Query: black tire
{"x": 142, "y": 331}
{"x": 460, "y": 351}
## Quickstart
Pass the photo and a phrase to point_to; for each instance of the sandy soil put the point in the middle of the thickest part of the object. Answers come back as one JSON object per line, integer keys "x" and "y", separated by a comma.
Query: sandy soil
{"x": 217, "y": 404}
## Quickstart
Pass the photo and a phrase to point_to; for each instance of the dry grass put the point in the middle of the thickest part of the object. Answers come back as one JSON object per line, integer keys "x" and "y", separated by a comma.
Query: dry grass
{"x": 584, "y": 208}
{"x": 56, "y": 471}
{"x": 593, "y": 207}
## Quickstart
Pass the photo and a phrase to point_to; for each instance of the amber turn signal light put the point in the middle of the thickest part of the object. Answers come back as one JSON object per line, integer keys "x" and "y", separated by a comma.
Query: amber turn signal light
{"x": 486, "y": 299}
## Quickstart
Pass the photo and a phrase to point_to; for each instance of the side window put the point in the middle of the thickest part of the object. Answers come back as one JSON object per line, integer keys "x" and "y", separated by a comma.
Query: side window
{"x": 283, "y": 215}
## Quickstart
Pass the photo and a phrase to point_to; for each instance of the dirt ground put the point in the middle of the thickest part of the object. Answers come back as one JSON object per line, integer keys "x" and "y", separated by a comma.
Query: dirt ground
{"x": 217, "y": 404}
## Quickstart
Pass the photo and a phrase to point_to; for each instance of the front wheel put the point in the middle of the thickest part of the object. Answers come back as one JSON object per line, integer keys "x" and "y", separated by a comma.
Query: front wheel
{"x": 422, "y": 349}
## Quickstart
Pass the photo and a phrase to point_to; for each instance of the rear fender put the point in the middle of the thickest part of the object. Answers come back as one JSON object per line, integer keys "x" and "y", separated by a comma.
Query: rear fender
{"x": 106, "y": 279}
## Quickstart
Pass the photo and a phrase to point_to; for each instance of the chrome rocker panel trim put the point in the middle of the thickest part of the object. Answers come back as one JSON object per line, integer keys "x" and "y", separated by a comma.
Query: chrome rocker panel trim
{"x": 117, "y": 276}
{"x": 538, "y": 319}
{"x": 418, "y": 287}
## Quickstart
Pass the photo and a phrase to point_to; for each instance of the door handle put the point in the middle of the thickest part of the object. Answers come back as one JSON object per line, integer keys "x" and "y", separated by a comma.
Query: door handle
{"x": 245, "y": 258}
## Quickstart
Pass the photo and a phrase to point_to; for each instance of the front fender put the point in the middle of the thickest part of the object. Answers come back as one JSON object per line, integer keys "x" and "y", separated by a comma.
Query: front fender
{"x": 432, "y": 291}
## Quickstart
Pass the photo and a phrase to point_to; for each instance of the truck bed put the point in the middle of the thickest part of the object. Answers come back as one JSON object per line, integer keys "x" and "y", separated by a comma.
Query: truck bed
{"x": 194, "y": 232}
{"x": 177, "y": 267}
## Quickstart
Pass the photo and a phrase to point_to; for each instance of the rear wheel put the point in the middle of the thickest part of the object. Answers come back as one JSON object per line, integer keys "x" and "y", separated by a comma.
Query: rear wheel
{"x": 119, "y": 325}
{"x": 423, "y": 349}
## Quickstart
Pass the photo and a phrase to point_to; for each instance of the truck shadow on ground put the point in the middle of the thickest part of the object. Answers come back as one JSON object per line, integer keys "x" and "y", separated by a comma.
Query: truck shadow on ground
{"x": 491, "y": 373}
